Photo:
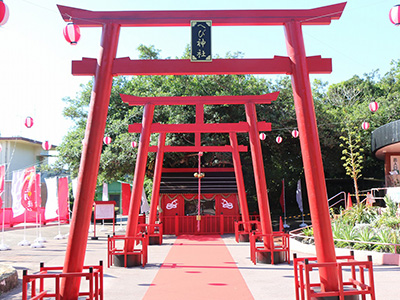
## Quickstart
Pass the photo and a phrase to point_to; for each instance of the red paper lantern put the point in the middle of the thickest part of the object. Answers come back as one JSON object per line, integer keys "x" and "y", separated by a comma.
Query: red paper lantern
{"x": 295, "y": 133}
{"x": 134, "y": 144}
{"x": 394, "y": 15}
{"x": 373, "y": 106}
{"x": 72, "y": 33}
{"x": 262, "y": 136}
{"x": 107, "y": 140}
{"x": 365, "y": 125}
{"x": 28, "y": 122}
{"x": 46, "y": 145}
{"x": 4, "y": 13}
{"x": 278, "y": 139}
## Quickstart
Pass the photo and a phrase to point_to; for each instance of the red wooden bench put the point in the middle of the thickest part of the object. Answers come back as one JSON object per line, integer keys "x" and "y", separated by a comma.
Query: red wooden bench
{"x": 305, "y": 289}
{"x": 121, "y": 248}
{"x": 272, "y": 243}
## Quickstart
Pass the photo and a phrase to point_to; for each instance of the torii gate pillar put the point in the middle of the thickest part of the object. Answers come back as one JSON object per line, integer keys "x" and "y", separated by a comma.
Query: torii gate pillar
{"x": 311, "y": 154}
{"x": 90, "y": 160}
{"x": 298, "y": 65}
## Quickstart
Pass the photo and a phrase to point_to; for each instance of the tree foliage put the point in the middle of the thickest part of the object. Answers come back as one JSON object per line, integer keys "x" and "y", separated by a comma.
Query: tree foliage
{"x": 337, "y": 106}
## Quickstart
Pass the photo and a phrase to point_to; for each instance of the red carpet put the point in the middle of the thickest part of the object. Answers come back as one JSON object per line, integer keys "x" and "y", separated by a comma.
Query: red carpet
{"x": 198, "y": 267}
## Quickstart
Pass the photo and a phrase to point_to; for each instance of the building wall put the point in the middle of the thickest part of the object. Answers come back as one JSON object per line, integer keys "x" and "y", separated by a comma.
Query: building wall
{"x": 20, "y": 154}
{"x": 16, "y": 154}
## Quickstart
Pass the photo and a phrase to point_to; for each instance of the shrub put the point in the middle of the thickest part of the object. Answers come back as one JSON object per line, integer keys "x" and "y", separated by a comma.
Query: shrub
{"x": 391, "y": 207}
{"x": 386, "y": 235}
{"x": 365, "y": 234}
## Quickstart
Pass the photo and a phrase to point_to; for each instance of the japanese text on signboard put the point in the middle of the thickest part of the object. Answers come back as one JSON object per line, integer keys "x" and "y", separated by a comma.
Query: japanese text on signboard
{"x": 201, "y": 41}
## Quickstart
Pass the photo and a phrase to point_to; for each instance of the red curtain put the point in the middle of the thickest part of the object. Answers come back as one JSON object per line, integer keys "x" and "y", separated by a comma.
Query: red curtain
{"x": 227, "y": 204}
{"x": 172, "y": 204}
{"x": 126, "y": 198}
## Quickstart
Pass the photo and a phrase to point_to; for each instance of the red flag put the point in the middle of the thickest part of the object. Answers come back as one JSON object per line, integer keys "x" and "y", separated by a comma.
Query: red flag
{"x": 282, "y": 198}
{"x": 63, "y": 198}
{"x": 2, "y": 174}
{"x": 38, "y": 188}
{"x": 28, "y": 193}
{"x": 126, "y": 197}
{"x": 281, "y": 228}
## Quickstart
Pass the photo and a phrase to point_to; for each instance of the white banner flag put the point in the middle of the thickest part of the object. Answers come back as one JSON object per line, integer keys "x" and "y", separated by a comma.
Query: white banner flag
{"x": 299, "y": 199}
{"x": 105, "y": 192}
{"x": 74, "y": 187}
{"x": 144, "y": 208}
{"x": 16, "y": 188}
{"x": 51, "y": 210}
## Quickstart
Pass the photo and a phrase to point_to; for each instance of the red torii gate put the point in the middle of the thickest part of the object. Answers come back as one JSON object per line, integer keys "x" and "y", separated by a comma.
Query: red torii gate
{"x": 251, "y": 126}
{"x": 107, "y": 66}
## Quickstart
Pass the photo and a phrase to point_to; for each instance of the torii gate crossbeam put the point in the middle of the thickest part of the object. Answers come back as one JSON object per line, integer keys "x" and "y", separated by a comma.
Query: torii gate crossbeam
{"x": 251, "y": 126}
{"x": 300, "y": 68}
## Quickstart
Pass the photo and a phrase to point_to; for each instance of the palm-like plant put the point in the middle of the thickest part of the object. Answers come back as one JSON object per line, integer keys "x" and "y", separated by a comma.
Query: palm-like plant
{"x": 366, "y": 234}
{"x": 386, "y": 236}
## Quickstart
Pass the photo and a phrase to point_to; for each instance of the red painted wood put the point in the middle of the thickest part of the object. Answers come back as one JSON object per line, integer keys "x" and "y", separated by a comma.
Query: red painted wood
{"x": 155, "y": 195}
{"x": 276, "y": 65}
{"x": 316, "y": 16}
{"x": 203, "y": 128}
{"x": 190, "y": 170}
{"x": 226, "y": 148}
{"x": 140, "y": 169}
{"x": 239, "y": 180}
{"x": 89, "y": 166}
{"x": 258, "y": 167}
{"x": 106, "y": 68}
{"x": 311, "y": 153}
{"x": 201, "y": 100}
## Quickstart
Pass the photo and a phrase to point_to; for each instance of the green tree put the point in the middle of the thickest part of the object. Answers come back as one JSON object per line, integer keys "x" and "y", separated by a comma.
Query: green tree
{"x": 118, "y": 159}
{"x": 352, "y": 156}
{"x": 338, "y": 107}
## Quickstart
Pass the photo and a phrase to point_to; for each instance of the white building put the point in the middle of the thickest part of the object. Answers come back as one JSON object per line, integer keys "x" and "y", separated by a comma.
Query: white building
{"x": 19, "y": 153}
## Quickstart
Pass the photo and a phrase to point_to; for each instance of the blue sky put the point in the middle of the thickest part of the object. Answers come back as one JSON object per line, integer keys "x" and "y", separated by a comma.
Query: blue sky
{"x": 35, "y": 60}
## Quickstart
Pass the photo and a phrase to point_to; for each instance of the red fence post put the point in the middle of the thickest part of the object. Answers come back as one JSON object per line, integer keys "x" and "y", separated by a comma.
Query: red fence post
{"x": 221, "y": 224}
{"x": 176, "y": 225}
{"x": 311, "y": 153}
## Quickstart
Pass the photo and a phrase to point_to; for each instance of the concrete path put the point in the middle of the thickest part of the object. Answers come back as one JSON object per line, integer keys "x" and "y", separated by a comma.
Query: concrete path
{"x": 264, "y": 281}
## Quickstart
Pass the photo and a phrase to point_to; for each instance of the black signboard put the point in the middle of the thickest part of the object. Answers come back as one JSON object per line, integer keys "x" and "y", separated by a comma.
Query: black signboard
{"x": 201, "y": 41}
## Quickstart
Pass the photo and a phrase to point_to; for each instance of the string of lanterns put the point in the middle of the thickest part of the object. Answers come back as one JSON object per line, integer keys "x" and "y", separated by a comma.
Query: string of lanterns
{"x": 373, "y": 107}
{"x": 72, "y": 35}
{"x": 279, "y": 139}
{"x": 28, "y": 124}
{"x": 107, "y": 141}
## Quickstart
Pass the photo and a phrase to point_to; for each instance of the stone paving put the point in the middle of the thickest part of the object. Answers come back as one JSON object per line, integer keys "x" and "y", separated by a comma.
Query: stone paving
{"x": 264, "y": 281}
